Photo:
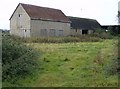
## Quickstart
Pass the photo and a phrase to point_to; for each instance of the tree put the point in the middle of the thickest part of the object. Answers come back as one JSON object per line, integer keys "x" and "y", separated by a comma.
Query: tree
{"x": 118, "y": 16}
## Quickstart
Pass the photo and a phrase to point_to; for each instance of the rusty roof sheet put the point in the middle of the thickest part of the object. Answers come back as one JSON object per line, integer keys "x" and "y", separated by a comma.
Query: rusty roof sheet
{"x": 44, "y": 13}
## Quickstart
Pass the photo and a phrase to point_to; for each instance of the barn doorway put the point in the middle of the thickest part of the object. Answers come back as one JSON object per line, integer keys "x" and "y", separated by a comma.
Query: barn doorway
{"x": 52, "y": 32}
{"x": 43, "y": 32}
{"x": 60, "y": 33}
{"x": 25, "y": 33}
{"x": 84, "y": 31}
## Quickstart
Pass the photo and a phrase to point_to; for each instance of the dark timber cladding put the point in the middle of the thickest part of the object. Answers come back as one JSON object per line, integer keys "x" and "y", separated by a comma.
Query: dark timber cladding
{"x": 83, "y": 23}
{"x": 44, "y": 13}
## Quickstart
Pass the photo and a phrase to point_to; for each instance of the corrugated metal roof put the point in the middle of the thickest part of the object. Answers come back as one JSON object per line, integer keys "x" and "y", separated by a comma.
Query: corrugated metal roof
{"x": 44, "y": 13}
{"x": 83, "y": 23}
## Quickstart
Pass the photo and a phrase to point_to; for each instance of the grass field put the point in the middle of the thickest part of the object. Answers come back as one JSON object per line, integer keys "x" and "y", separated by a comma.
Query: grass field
{"x": 81, "y": 64}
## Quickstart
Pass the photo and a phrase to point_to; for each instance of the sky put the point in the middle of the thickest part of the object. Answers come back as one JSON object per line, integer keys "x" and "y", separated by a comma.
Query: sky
{"x": 104, "y": 11}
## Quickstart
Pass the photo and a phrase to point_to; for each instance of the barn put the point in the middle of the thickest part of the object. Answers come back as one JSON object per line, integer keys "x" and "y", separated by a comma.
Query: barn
{"x": 80, "y": 26}
{"x": 35, "y": 21}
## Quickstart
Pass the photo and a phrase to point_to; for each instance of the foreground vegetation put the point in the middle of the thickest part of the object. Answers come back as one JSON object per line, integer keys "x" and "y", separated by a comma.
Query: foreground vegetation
{"x": 73, "y": 64}
{"x": 18, "y": 60}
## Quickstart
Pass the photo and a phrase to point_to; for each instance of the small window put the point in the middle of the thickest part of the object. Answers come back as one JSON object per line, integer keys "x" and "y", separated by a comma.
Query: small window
{"x": 19, "y": 15}
{"x": 25, "y": 30}
{"x": 76, "y": 30}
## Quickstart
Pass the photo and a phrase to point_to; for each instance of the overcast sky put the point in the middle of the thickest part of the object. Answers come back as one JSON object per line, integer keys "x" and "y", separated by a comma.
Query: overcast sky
{"x": 104, "y": 11}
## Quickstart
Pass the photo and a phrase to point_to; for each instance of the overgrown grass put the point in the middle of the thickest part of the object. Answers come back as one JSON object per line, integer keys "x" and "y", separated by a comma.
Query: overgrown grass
{"x": 82, "y": 38}
{"x": 80, "y": 64}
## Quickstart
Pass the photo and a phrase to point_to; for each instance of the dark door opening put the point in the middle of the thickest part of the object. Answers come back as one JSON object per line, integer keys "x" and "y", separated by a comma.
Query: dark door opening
{"x": 84, "y": 31}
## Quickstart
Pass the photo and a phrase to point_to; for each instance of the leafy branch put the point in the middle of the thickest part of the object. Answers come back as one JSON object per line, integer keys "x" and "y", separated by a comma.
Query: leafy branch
{"x": 118, "y": 13}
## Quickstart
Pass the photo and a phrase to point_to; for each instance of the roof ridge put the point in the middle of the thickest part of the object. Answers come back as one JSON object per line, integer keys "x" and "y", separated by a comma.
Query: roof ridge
{"x": 81, "y": 18}
{"x": 39, "y": 6}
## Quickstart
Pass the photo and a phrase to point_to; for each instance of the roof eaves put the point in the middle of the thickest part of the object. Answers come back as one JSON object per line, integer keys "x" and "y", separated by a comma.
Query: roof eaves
{"x": 50, "y": 20}
{"x": 14, "y": 11}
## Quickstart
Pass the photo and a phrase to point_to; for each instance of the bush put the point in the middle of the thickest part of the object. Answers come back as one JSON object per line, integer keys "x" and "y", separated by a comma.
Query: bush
{"x": 112, "y": 67}
{"x": 18, "y": 60}
{"x": 101, "y": 33}
{"x": 114, "y": 31}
